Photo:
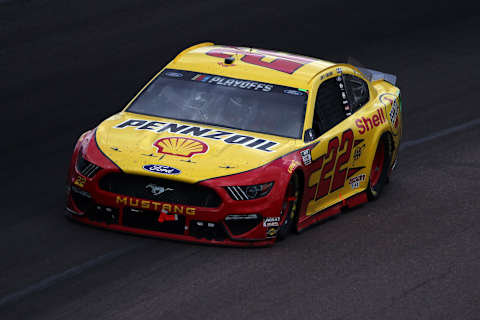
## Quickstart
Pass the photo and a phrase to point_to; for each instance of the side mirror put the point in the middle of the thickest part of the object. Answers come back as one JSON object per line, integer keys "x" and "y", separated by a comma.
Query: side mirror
{"x": 309, "y": 135}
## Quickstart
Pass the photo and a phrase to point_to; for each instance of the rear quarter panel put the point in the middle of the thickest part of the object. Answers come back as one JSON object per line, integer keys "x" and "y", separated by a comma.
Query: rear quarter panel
{"x": 381, "y": 115}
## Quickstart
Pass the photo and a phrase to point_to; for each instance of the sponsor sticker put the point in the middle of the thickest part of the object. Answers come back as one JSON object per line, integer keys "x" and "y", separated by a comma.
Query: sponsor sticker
{"x": 293, "y": 165}
{"x": 196, "y": 131}
{"x": 293, "y": 92}
{"x": 328, "y": 74}
{"x": 80, "y": 181}
{"x": 357, "y": 153}
{"x": 173, "y": 74}
{"x": 346, "y": 106}
{"x": 365, "y": 124}
{"x": 388, "y": 98}
{"x": 179, "y": 146}
{"x": 157, "y": 168}
{"x": 217, "y": 80}
{"x": 355, "y": 181}
{"x": 164, "y": 216}
{"x": 271, "y": 222}
{"x": 394, "y": 114}
{"x": 306, "y": 157}
{"x": 226, "y": 65}
{"x": 202, "y": 77}
{"x": 271, "y": 232}
{"x": 154, "y": 205}
{"x": 231, "y": 82}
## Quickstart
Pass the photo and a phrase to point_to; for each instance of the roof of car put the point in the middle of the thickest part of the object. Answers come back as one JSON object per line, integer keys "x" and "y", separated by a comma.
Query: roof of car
{"x": 251, "y": 64}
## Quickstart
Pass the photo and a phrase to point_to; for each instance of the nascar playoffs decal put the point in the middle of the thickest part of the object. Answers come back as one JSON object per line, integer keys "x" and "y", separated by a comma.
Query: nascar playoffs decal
{"x": 197, "y": 131}
{"x": 228, "y": 82}
{"x": 184, "y": 75}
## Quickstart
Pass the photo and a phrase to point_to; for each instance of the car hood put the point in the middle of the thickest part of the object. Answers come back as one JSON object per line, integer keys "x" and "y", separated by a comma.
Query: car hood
{"x": 185, "y": 151}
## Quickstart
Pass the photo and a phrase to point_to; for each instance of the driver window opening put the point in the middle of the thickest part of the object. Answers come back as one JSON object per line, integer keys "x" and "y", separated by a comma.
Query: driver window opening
{"x": 329, "y": 106}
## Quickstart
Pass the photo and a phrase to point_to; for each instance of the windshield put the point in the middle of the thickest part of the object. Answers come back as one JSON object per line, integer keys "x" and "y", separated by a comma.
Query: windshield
{"x": 227, "y": 102}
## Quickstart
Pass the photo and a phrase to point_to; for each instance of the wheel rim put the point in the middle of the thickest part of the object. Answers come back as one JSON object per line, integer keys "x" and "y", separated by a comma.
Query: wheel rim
{"x": 377, "y": 165}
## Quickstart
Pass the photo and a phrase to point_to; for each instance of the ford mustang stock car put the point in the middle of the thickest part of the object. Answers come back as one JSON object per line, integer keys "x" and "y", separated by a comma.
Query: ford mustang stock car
{"x": 238, "y": 146}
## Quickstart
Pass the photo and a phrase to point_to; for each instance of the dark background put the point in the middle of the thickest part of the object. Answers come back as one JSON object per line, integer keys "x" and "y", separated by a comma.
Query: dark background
{"x": 414, "y": 254}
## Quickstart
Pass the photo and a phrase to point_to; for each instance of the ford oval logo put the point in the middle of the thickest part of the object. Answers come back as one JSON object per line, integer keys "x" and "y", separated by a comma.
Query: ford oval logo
{"x": 174, "y": 74}
{"x": 293, "y": 92}
{"x": 157, "y": 168}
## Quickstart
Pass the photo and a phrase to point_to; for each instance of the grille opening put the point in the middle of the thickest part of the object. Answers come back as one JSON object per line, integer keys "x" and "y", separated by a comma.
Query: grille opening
{"x": 207, "y": 230}
{"x": 240, "y": 224}
{"x": 82, "y": 199}
{"x": 103, "y": 214}
{"x": 146, "y": 219}
{"x": 158, "y": 189}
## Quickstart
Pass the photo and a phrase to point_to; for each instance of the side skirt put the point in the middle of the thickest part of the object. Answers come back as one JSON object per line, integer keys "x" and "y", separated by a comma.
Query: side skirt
{"x": 351, "y": 202}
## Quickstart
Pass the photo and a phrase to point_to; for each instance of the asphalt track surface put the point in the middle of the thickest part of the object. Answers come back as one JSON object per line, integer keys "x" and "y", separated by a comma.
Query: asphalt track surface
{"x": 413, "y": 254}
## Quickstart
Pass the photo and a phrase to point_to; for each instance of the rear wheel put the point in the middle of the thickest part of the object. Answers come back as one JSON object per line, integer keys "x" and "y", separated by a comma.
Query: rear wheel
{"x": 289, "y": 207}
{"x": 379, "y": 171}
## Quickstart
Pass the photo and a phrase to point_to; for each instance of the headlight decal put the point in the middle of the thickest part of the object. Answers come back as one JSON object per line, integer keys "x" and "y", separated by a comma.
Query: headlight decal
{"x": 237, "y": 193}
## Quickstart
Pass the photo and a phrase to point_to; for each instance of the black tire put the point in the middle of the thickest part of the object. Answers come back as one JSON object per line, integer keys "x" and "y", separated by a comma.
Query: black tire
{"x": 290, "y": 205}
{"x": 379, "y": 171}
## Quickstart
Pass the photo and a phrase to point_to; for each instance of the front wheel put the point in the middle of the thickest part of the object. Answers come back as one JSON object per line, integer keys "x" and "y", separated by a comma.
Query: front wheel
{"x": 289, "y": 207}
{"x": 379, "y": 171}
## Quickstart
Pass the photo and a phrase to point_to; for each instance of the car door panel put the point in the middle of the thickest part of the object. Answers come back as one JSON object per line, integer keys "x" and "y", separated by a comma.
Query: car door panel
{"x": 337, "y": 173}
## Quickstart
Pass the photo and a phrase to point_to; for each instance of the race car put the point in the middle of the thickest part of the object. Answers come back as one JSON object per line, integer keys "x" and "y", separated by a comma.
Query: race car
{"x": 238, "y": 146}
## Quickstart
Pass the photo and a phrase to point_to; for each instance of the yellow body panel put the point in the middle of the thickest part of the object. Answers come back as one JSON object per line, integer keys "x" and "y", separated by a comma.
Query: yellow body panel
{"x": 197, "y": 59}
{"x": 381, "y": 93}
{"x": 132, "y": 148}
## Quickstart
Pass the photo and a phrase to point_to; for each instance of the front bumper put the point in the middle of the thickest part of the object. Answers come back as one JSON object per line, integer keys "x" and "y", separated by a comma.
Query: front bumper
{"x": 98, "y": 195}
{"x": 207, "y": 239}
{"x": 88, "y": 203}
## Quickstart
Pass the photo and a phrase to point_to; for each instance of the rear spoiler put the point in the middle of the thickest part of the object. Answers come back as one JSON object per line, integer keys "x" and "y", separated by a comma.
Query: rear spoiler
{"x": 373, "y": 75}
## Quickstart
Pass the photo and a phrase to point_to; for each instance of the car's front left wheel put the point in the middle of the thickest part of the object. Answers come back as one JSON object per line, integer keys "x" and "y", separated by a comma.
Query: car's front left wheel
{"x": 289, "y": 207}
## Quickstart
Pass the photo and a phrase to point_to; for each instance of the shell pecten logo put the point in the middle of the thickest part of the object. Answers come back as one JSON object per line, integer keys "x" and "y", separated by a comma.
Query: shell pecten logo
{"x": 179, "y": 146}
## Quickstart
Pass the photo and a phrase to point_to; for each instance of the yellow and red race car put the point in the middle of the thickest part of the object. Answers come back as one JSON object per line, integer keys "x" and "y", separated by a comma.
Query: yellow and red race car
{"x": 238, "y": 146}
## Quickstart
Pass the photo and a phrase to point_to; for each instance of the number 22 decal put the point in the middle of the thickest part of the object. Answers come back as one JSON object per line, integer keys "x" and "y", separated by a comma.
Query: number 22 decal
{"x": 327, "y": 182}
{"x": 282, "y": 62}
